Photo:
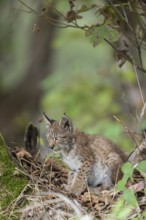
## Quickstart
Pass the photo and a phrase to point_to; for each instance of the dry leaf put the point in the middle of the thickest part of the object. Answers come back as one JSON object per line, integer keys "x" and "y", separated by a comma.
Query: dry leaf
{"x": 23, "y": 153}
{"x": 17, "y": 172}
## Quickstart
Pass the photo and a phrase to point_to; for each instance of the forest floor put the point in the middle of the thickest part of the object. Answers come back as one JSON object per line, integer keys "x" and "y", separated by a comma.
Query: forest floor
{"x": 30, "y": 189}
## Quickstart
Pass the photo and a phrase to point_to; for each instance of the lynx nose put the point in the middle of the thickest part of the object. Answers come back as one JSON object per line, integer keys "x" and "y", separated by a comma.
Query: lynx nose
{"x": 52, "y": 144}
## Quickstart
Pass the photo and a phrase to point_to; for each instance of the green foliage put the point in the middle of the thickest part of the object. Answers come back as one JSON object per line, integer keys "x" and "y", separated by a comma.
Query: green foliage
{"x": 120, "y": 211}
{"x": 142, "y": 168}
{"x": 121, "y": 185}
{"x": 95, "y": 18}
{"x": 128, "y": 196}
{"x": 127, "y": 170}
{"x": 98, "y": 34}
{"x": 81, "y": 95}
{"x": 144, "y": 214}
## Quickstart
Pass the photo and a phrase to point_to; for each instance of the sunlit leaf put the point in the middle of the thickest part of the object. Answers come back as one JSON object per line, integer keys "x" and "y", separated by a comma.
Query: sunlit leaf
{"x": 127, "y": 169}
{"x": 142, "y": 166}
{"x": 144, "y": 214}
{"x": 23, "y": 153}
{"x": 102, "y": 32}
{"x": 119, "y": 211}
{"x": 118, "y": 206}
{"x": 124, "y": 213}
{"x": 130, "y": 197}
{"x": 121, "y": 185}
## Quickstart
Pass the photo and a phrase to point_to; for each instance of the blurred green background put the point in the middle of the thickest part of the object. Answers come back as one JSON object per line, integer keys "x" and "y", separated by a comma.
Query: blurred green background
{"x": 56, "y": 70}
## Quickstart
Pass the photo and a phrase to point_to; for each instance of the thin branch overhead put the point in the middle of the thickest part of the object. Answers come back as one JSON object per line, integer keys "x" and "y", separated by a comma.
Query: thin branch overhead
{"x": 127, "y": 19}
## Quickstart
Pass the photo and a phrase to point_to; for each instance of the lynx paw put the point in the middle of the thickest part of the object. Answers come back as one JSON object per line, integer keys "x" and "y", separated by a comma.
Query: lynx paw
{"x": 71, "y": 177}
{"x": 95, "y": 190}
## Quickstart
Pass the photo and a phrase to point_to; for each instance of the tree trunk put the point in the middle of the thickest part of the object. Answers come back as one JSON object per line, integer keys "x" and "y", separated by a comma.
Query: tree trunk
{"x": 22, "y": 103}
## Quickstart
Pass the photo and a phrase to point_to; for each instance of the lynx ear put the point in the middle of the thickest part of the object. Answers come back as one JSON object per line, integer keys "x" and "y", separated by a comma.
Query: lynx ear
{"x": 66, "y": 123}
{"x": 48, "y": 121}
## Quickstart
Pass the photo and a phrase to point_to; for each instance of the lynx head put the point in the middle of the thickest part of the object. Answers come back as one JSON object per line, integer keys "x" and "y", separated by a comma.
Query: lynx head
{"x": 60, "y": 134}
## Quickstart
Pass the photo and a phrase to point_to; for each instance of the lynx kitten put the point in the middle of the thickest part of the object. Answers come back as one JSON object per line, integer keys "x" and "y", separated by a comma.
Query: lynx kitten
{"x": 93, "y": 159}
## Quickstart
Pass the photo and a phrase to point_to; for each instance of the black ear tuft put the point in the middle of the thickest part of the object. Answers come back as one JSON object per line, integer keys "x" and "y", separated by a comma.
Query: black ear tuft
{"x": 66, "y": 123}
{"x": 47, "y": 119}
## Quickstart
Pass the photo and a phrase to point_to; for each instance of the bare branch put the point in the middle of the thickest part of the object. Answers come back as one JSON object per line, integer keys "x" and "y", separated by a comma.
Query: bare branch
{"x": 139, "y": 86}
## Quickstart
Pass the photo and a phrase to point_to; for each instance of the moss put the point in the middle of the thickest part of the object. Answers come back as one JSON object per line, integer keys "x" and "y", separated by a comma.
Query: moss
{"x": 10, "y": 185}
{"x": 2, "y": 217}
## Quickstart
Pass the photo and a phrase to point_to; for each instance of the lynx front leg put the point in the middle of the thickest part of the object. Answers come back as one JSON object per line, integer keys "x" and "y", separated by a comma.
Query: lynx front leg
{"x": 70, "y": 177}
{"x": 78, "y": 184}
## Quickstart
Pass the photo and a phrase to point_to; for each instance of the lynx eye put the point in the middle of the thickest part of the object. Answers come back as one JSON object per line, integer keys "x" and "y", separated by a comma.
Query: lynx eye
{"x": 56, "y": 138}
